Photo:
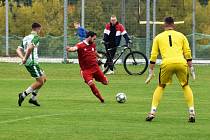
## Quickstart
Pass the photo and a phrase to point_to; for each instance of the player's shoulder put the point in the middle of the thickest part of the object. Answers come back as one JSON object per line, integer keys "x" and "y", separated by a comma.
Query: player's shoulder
{"x": 28, "y": 37}
{"x": 159, "y": 36}
{"x": 36, "y": 37}
{"x": 80, "y": 44}
{"x": 32, "y": 36}
{"x": 179, "y": 33}
{"x": 25, "y": 38}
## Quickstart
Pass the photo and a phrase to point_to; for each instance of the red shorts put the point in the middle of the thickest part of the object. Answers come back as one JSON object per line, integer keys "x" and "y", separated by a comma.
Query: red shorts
{"x": 97, "y": 74}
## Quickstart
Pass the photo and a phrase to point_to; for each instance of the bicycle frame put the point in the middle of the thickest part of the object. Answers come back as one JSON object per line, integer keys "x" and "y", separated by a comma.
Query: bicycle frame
{"x": 122, "y": 52}
{"x": 131, "y": 56}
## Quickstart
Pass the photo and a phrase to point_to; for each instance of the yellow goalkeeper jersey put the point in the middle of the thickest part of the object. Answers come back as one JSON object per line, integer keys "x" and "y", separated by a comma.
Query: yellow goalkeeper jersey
{"x": 173, "y": 47}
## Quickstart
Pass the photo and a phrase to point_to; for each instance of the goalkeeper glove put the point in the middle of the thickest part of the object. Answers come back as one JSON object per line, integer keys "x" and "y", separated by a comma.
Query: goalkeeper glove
{"x": 192, "y": 72}
{"x": 151, "y": 75}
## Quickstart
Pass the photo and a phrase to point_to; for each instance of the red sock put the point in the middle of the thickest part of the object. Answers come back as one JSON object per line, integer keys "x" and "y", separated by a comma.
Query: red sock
{"x": 96, "y": 92}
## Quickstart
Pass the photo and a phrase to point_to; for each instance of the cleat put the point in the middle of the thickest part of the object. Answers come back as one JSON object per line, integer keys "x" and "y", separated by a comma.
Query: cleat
{"x": 34, "y": 102}
{"x": 150, "y": 117}
{"x": 102, "y": 101}
{"x": 110, "y": 72}
{"x": 20, "y": 99}
{"x": 191, "y": 118}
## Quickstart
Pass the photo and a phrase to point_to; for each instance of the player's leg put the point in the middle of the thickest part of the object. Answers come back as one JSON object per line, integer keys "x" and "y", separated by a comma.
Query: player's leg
{"x": 88, "y": 77}
{"x": 37, "y": 73}
{"x": 190, "y": 102}
{"x": 95, "y": 91}
{"x": 157, "y": 95}
{"x": 100, "y": 77}
{"x": 183, "y": 76}
{"x": 165, "y": 77}
{"x": 21, "y": 96}
{"x": 37, "y": 85}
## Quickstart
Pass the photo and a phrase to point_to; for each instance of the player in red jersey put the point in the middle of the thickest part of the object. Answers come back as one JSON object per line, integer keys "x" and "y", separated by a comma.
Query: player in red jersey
{"x": 90, "y": 70}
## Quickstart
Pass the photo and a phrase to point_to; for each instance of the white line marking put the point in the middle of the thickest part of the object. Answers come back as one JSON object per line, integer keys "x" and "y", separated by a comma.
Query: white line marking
{"x": 30, "y": 117}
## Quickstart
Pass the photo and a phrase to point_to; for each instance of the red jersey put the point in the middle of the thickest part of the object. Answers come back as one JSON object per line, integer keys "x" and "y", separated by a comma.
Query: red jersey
{"x": 87, "y": 55}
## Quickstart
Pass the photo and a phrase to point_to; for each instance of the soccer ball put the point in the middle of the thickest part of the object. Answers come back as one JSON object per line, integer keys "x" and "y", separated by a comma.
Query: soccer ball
{"x": 121, "y": 98}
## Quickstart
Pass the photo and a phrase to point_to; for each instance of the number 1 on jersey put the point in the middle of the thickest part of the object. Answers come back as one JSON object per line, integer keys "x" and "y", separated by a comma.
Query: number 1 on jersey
{"x": 170, "y": 40}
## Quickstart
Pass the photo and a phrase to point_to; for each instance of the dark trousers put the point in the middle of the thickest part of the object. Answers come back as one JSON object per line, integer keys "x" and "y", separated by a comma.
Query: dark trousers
{"x": 110, "y": 54}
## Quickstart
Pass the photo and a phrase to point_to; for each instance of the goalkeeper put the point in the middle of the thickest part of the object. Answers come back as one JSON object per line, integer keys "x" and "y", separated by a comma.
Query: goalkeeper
{"x": 176, "y": 59}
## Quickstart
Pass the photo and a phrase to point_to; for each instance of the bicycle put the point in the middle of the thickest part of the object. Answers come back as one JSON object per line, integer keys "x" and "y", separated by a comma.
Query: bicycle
{"x": 135, "y": 62}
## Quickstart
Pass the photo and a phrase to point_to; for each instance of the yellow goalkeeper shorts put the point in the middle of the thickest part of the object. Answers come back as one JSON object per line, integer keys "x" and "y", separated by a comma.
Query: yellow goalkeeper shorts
{"x": 167, "y": 71}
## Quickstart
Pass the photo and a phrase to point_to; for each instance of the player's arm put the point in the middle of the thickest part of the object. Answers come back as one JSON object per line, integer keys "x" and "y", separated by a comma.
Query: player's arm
{"x": 71, "y": 49}
{"x": 28, "y": 52}
{"x": 19, "y": 52}
{"x": 155, "y": 51}
{"x": 192, "y": 70}
{"x": 186, "y": 50}
{"x": 153, "y": 58}
{"x": 188, "y": 56}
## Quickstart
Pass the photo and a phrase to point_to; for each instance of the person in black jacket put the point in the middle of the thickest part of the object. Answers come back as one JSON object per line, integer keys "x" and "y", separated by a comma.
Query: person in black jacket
{"x": 112, "y": 36}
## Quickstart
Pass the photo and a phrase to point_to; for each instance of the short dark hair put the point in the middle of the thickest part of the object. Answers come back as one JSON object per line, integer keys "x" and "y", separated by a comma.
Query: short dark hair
{"x": 35, "y": 25}
{"x": 90, "y": 34}
{"x": 169, "y": 20}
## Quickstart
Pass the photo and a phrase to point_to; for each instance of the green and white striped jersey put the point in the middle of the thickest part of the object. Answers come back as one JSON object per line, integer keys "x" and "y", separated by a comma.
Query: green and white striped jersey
{"x": 34, "y": 39}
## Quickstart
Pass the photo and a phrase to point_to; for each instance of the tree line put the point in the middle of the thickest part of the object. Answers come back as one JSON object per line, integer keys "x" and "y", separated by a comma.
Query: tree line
{"x": 97, "y": 13}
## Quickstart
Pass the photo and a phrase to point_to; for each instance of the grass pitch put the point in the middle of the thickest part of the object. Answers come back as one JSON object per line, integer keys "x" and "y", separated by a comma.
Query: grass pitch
{"x": 69, "y": 111}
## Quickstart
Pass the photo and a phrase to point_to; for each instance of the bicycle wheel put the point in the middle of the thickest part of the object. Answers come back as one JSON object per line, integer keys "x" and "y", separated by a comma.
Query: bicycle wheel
{"x": 135, "y": 63}
{"x": 102, "y": 61}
